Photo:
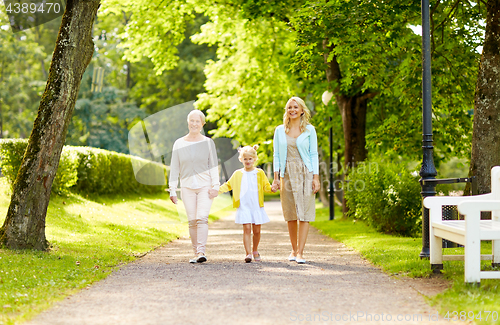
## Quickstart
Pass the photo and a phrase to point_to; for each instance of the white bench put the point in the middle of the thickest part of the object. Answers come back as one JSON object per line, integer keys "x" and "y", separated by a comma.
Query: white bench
{"x": 469, "y": 232}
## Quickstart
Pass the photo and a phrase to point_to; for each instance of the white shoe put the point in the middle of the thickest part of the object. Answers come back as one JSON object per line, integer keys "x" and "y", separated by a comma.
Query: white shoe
{"x": 292, "y": 258}
{"x": 202, "y": 258}
{"x": 193, "y": 260}
{"x": 301, "y": 261}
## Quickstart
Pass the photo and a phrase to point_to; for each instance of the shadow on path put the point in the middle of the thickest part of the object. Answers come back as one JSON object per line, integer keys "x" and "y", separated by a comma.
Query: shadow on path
{"x": 336, "y": 286}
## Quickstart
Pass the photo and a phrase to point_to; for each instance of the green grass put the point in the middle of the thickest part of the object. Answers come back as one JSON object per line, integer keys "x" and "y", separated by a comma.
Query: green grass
{"x": 272, "y": 196}
{"x": 400, "y": 256}
{"x": 90, "y": 237}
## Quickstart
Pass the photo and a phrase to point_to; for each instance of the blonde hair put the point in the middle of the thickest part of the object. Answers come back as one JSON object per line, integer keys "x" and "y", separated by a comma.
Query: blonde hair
{"x": 197, "y": 112}
{"x": 304, "y": 118}
{"x": 248, "y": 150}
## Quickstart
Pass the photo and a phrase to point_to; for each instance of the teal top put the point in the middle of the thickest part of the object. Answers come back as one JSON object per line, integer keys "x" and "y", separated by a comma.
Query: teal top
{"x": 307, "y": 144}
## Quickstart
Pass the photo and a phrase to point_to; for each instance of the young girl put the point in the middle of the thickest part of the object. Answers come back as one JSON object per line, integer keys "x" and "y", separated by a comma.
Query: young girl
{"x": 248, "y": 185}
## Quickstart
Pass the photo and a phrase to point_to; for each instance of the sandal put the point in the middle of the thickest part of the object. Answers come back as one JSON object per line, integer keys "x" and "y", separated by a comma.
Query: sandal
{"x": 248, "y": 258}
{"x": 256, "y": 256}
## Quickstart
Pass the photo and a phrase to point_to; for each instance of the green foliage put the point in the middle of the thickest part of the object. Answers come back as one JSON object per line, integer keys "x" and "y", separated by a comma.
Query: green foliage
{"x": 156, "y": 32}
{"x": 11, "y": 154}
{"x": 379, "y": 53}
{"x": 387, "y": 196}
{"x": 102, "y": 120}
{"x": 104, "y": 172}
{"x": 67, "y": 172}
{"x": 90, "y": 170}
{"x": 248, "y": 86}
{"x": 269, "y": 51}
{"x": 178, "y": 85}
{"x": 454, "y": 168}
{"x": 21, "y": 80}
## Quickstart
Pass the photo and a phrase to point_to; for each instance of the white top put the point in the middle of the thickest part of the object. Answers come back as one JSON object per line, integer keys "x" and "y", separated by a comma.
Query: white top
{"x": 196, "y": 163}
{"x": 249, "y": 210}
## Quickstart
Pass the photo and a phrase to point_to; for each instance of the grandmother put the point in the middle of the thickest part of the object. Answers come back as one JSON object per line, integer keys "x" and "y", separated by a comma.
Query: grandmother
{"x": 194, "y": 159}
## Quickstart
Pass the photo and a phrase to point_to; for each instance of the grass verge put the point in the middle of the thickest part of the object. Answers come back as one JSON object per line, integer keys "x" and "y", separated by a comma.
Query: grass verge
{"x": 90, "y": 237}
{"x": 400, "y": 255}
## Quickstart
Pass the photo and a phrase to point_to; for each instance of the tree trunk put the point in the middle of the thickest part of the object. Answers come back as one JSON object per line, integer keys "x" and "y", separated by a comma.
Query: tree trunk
{"x": 129, "y": 75}
{"x": 24, "y": 227}
{"x": 353, "y": 112}
{"x": 339, "y": 179}
{"x": 324, "y": 179}
{"x": 1, "y": 120}
{"x": 1, "y": 108}
{"x": 485, "y": 133}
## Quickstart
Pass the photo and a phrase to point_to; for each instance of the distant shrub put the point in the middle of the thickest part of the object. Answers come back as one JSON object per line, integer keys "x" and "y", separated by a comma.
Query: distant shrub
{"x": 67, "y": 172}
{"x": 387, "y": 196}
{"x": 105, "y": 172}
{"x": 89, "y": 170}
{"x": 12, "y": 153}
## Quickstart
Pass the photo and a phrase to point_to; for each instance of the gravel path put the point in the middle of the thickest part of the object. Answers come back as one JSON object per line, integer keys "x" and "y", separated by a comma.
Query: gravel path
{"x": 335, "y": 286}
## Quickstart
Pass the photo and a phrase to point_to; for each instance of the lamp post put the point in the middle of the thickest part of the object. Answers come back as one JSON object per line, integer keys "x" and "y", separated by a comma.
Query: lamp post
{"x": 326, "y": 97}
{"x": 428, "y": 170}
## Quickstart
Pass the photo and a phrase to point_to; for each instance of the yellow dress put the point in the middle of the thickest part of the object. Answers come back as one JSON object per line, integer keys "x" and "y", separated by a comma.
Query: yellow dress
{"x": 297, "y": 197}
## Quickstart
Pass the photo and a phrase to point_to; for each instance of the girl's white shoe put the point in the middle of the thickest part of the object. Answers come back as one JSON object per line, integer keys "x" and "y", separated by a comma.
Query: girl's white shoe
{"x": 248, "y": 258}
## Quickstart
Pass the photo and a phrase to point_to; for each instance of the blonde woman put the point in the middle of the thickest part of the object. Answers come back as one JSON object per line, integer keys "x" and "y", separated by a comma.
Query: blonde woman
{"x": 194, "y": 159}
{"x": 296, "y": 173}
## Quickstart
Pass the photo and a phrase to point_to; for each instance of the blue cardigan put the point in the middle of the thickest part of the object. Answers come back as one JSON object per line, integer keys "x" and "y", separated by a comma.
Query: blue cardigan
{"x": 307, "y": 144}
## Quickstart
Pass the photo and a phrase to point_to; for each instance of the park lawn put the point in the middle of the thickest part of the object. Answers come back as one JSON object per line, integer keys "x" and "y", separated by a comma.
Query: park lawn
{"x": 90, "y": 237}
{"x": 400, "y": 256}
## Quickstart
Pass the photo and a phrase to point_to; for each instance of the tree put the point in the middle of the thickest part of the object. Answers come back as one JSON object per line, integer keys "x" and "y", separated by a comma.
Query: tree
{"x": 485, "y": 151}
{"x": 248, "y": 86}
{"x": 364, "y": 51}
{"x": 367, "y": 49}
{"x": 24, "y": 226}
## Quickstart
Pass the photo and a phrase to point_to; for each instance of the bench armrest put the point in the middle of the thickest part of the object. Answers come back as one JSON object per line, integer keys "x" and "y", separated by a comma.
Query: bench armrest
{"x": 435, "y": 203}
{"x": 473, "y": 208}
{"x": 432, "y": 202}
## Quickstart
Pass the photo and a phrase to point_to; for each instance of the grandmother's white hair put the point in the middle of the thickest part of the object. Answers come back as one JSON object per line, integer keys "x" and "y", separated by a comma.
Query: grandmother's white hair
{"x": 199, "y": 113}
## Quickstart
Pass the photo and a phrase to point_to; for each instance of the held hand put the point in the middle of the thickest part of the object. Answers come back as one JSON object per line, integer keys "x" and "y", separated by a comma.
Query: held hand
{"x": 276, "y": 185}
{"x": 212, "y": 194}
{"x": 173, "y": 199}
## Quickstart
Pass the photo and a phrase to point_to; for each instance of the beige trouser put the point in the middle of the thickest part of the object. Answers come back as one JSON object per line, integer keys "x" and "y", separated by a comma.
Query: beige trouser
{"x": 197, "y": 205}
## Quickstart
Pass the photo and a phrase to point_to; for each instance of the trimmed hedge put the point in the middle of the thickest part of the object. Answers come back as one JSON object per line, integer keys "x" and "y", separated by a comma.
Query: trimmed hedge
{"x": 90, "y": 170}
{"x": 11, "y": 153}
{"x": 387, "y": 196}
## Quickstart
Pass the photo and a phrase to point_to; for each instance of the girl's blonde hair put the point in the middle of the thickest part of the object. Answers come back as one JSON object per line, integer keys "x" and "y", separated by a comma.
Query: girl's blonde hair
{"x": 248, "y": 150}
{"x": 304, "y": 118}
